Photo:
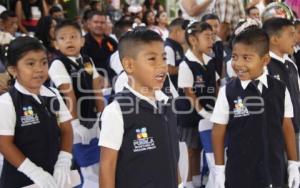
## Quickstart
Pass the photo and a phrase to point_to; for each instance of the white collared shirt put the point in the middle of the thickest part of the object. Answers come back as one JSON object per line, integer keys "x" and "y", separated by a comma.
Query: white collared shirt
{"x": 221, "y": 110}
{"x": 185, "y": 74}
{"x": 112, "y": 127}
{"x": 7, "y": 108}
{"x": 170, "y": 56}
{"x": 59, "y": 74}
{"x": 115, "y": 63}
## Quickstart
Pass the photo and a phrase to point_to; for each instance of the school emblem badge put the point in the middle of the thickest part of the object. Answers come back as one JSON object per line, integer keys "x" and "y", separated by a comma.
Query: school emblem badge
{"x": 277, "y": 76}
{"x": 199, "y": 82}
{"x": 29, "y": 117}
{"x": 88, "y": 67}
{"x": 143, "y": 142}
{"x": 240, "y": 110}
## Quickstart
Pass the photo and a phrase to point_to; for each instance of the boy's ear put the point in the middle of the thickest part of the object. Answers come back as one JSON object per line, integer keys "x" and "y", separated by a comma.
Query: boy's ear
{"x": 274, "y": 40}
{"x": 266, "y": 59}
{"x": 82, "y": 41}
{"x": 128, "y": 64}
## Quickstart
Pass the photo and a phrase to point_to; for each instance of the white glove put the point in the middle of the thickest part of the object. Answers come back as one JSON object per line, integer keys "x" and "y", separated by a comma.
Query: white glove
{"x": 205, "y": 114}
{"x": 219, "y": 176}
{"x": 80, "y": 132}
{"x": 62, "y": 169}
{"x": 293, "y": 173}
{"x": 180, "y": 185}
{"x": 40, "y": 177}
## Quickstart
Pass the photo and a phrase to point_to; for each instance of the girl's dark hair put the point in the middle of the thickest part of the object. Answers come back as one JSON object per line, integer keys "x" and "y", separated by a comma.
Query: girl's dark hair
{"x": 27, "y": 7}
{"x": 42, "y": 30}
{"x": 194, "y": 28}
{"x": 19, "y": 47}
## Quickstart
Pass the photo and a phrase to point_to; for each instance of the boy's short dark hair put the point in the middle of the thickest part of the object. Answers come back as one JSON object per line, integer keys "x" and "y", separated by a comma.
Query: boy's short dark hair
{"x": 254, "y": 37}
{"x": 67, "y": 23}
{"x": 130, "y": 41}
{"x": 274, "y": 26}
{"x": 54, "y": 9}
{"x": 7, "y": 14}
{"x": 209, "y": 17}
{"x": 248, "y": 10}
{"x": 121, "y": 27}
{"x": 176, "y": 23}
{"x": 93, "y": 13}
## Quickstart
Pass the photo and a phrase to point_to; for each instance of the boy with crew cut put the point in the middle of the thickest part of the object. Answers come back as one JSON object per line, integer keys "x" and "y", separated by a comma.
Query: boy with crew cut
{"x": 138, "y": 139}
{"x": 254, "y": 111}
{"x": 282, "y": 42}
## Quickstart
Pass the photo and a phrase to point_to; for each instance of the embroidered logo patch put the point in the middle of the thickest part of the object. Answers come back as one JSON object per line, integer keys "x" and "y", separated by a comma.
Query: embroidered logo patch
{"x": 277, "y": 76}
{"x": 199, "y": 82}
{"x": 143, "y": 142}
{"x": 88, "y": 67}
{"x": 240, "y": 110}
{"x": 29, "y": 117}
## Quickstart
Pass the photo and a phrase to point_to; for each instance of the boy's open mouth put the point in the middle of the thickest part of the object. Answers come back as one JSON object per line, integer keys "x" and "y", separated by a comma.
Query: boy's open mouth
{"x": 160, "y": 76}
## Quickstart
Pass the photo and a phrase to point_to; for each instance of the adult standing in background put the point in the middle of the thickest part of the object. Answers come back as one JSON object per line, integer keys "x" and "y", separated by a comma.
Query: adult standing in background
{"x": 98, "y": 45}
{"x": 229, "y": 12}
{"x": 195, "y": 9}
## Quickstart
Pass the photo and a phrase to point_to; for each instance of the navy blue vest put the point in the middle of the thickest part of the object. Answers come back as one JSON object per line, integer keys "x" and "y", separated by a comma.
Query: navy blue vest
{"x": 254, "y": 134}
{"x": 204, "y": 87}
{"x": 297, "y": 58}
{"x": 37, "y": 136}
{"x": 278, "y": 70}
{"x": 218, "y": 49}
{"x": 150, "y": 149}
{"x": 82, "y": 80}
{"x": 179, "y": 56}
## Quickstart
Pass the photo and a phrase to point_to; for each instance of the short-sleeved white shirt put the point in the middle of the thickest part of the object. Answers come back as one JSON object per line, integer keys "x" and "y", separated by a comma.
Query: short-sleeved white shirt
{"x": 112, "y": 127}
{"x": 170, "y": 54}
{"x": 7, "y": 108}
{"x": 59, "y": 74}
{"x": 185, "y": 74}
{"x": 221, "y": 110}
{"x": 115, "y": 63}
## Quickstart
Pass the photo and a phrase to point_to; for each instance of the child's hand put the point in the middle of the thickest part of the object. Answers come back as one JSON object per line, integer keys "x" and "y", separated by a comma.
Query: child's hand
{"x": 205, "y": 114}
{"x": 62, "y": 169}
{"x": 82, "y": 134}
{"x": 40, "y": 177}
{"x": 293, "y": 173}
{"x": 219, "y": 176}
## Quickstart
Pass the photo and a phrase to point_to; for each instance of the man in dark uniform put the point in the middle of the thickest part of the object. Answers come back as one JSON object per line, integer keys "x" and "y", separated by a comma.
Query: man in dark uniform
{"x": 99, "y": 46}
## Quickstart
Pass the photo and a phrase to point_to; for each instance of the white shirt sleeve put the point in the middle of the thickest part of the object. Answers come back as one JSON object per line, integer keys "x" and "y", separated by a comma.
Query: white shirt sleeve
{"x": 185, "y": 76}
{"x": 221, "y": 110}
{"x": 170, "y": 55}
{"x": 115, "y": 63}
{"x": 64, "y": 113}
{"x": 8, "y": 120}
{"x": 58, "y": 73}
{"x": 288, "y": 106}
{"x": 112, "y": 127}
